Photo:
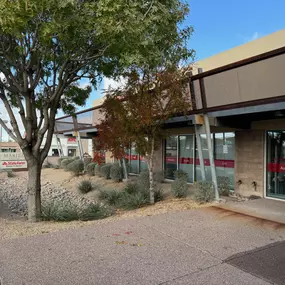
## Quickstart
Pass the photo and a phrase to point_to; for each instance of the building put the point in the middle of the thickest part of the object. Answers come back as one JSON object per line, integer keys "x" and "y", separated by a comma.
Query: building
{"x": 240, "y": 93}
{"x": 9, "y": 146}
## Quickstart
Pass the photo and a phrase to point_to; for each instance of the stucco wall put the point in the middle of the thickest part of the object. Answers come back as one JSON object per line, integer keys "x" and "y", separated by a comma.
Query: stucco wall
{"x": 249, "y": 162}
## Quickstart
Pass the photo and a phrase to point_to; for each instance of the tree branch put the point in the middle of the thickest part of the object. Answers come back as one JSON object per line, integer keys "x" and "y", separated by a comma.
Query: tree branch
{"x": 8, "y": 131}
{"x": 14, "y": 123}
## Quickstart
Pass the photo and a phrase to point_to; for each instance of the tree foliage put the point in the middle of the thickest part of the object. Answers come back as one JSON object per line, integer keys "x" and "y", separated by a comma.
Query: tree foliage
{"x": 48, "y": 46}
{"x": 138, "y": 111}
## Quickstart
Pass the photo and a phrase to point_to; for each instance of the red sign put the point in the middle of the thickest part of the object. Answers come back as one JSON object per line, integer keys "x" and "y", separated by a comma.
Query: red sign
{"x": 276, "y": 167}
{"x": 170, "y": 159}
{"x": 190, "y": 160}
{"x": 132, "y": 157}
{"x": 71, "y": 140}
{"x": 14, "y": 164}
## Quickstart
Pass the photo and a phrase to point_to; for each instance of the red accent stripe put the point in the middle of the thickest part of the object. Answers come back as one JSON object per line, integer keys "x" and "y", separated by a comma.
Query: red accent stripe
{"x": 275, "y": 167}
{"x": 189, "y": 160}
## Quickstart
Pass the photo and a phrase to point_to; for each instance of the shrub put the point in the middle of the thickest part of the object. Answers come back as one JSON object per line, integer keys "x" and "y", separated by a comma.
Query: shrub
{"x": 116, "y": 173}
{"x": 204, "y": 192}
{"x": 87, "y": 160}
{"x": 65, "y": 162}
{"x": 76, "y": 167}
{"x": 85, "y": 186}
{"x": 143, "y": 180}
{"x": 66, "y": 211}
{"x": 180, "y": 174}
{"x": 158, "y": 194}
{"x": 105, "y": 170}
{"x": 90, "y": 169}
{"x": 10, "y": 174}
{"x": 97, "y": 170}
{"x": 179, "y": 187}
{"x": 131, "y": 188}
{"x": 59, "y": 211}
{"x": 94, "y": 211}
{"x": 223, "y": 185}
{"x": 48, "y": 165}
{"x": 134, "y": 201}
{"x": 59, "y": 161}
{"x": 159, "y": 176}
{"x": 112, "y": 197}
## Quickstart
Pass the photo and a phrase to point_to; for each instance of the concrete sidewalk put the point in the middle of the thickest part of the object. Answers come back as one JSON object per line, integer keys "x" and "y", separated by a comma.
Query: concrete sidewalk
{"x": 175, "y": 248}
{"x": 267, "y": 209}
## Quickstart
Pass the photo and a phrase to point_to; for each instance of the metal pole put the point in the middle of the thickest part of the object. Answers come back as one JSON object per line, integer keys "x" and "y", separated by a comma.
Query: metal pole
{"x": 200, "y": 152}
{"x": 58, "y": 142}
{"x": 211, "y": 156}
{"x": 78, "y": 139}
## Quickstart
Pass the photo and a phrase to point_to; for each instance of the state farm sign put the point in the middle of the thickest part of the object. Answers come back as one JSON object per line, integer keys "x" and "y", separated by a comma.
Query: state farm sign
{"x": 10, "y": 160}
{"x": 14, "y": 164}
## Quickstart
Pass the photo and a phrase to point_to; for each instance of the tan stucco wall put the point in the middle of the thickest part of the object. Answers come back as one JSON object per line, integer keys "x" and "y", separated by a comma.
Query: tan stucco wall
{"x": 249, "y": 162}
{"x": 259, "y": 80}
{"x": 252, "y": 48}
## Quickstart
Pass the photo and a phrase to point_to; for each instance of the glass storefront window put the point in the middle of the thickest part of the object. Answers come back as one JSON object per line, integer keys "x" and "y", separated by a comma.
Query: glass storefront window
{"x": 188, "y": 159}
{"x": 206, "y": 159}
{"x": 134, "y": 160}
{"x": 143, "y": 164}
{"x": 170, "y": 157}
{"x": 225, "y": 155}
{"x": 276, "y": 164}
{"x": 186, "y": 155}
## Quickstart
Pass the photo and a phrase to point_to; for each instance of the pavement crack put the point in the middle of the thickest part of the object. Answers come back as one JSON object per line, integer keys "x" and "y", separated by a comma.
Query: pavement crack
{"x": 185, "y": 243}
{"x": 188, "y": 274}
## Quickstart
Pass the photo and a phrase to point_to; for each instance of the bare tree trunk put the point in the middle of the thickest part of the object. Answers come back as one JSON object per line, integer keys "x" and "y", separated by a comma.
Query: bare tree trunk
{"x": 125, "y": 170}
{"x": 34, "y": 191}
{"x": 150, "y": 169}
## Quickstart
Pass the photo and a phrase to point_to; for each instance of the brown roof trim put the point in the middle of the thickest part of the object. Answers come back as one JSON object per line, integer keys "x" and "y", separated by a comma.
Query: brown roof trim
{"x": 240, "y": 105}
{"x": 80, "y": 112}
{"x": 192, "y": 92}
{"x": 240, "y": 63}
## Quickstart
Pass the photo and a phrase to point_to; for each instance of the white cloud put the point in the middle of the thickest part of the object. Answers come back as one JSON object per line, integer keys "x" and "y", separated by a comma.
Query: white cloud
{"x": 255, "y": 36}
{"x": 112, "y": 84}
{"x": 84, "y": 84}
{"x": 252, "y": 37}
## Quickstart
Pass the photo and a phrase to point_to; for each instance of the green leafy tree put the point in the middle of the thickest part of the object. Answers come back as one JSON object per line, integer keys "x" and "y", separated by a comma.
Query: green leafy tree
{"x": 138, "y": 112}
{"x": 48, "y": 46}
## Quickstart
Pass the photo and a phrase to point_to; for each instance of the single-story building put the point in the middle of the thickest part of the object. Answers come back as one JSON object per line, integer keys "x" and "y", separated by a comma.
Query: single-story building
{"x": 240, "y": 93}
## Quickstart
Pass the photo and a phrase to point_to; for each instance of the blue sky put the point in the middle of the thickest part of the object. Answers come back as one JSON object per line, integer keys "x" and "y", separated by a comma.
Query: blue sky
{"x": 223, "y": 24}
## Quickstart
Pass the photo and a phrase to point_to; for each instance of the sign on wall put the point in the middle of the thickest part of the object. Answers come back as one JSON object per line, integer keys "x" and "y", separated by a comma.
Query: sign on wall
{"x": 10, "y": 160}
{"x": 71, "y": 140}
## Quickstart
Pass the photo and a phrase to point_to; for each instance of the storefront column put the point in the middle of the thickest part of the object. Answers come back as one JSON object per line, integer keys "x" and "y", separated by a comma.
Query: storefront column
{"x": 249, "y": 162}
{"x": 211, "y": 156}
{"x": 200, "y": 152}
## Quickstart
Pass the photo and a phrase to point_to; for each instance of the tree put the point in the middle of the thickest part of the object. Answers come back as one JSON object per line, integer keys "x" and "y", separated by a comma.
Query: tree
{"x": 48, "y": 46}
{"x": 138, "y": 112}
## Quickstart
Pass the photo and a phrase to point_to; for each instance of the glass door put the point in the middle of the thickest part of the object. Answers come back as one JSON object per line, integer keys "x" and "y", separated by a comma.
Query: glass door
{"x": 170, "y": 157}
{"x": 276, "y": 164}
{"x": 186, "y": 156}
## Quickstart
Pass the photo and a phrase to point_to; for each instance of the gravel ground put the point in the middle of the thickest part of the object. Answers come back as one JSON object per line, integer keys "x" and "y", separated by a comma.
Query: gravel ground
{"x": 13, "y": 203}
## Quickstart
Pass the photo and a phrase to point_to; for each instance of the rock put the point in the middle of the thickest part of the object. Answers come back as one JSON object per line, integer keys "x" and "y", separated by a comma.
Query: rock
{"x": 13, "y": 194}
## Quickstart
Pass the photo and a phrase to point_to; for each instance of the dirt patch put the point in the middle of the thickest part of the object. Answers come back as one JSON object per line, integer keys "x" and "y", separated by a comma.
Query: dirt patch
{"x": 16, "y": 227}
{"x": 12, "y": 226}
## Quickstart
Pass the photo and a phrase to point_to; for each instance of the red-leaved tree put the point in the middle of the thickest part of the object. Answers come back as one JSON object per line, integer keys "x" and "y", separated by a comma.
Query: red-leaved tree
{"x": 138, "y": 112}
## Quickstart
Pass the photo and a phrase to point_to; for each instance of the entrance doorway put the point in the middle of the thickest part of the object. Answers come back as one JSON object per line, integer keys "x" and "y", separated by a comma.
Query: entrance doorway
{"x": 275, "y": 164}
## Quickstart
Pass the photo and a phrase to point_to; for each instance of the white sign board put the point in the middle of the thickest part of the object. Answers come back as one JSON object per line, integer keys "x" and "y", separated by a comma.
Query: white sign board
{"x": 10, "y": 160}
{"x": 225, "y": 148}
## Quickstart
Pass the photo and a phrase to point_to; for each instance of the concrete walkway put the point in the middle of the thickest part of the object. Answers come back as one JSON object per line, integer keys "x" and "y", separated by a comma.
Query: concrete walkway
{"x": 267, "y": 209}
{"x": 175, "y": 248}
